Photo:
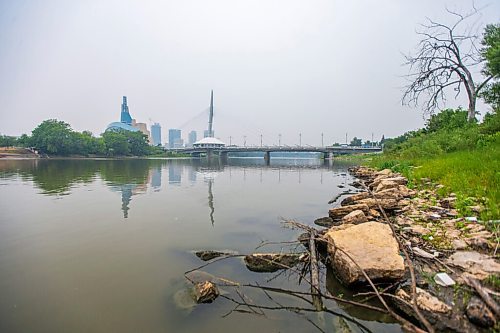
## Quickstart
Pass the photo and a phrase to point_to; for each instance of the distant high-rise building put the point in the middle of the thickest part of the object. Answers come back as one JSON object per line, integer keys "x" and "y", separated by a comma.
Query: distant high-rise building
{"x": 156, "y": 134}
{"x": 143, "y": 128}
{"x": 125, "y": 115}
{"x": 178, "y": 143}
{"x": 191, "y": 137}
{"x": 174, "y": 137}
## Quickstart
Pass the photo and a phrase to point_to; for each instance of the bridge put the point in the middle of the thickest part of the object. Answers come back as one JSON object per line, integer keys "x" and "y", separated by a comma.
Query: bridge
{"x": 210, "y": 146}
{"x": 327, "y": 151}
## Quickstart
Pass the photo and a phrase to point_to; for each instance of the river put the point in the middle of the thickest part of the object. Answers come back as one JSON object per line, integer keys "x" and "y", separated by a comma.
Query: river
{"x": 102, "y": 245}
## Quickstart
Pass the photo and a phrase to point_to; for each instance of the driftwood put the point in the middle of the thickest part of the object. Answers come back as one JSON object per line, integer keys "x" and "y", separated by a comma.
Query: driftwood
{"x": 315, "y": 286}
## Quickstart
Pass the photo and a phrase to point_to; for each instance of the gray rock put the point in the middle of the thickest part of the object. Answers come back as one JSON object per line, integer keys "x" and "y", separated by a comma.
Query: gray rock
{"x": 209, "y": 255}
{"x": 271, "y": 262}
{"x": 459, "y": 244}
{"x": 326, "y": 222}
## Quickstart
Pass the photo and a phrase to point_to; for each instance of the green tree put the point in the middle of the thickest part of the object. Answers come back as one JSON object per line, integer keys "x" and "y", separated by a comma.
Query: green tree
{"x": 138, "y": 143}
{"x": 53, "y": 137}
{"x": 24, "y": 141}
{"x": 7, "y": 141}
{"x": 491, "y": 53}
{"x": 448, "y": 119}
{"x": 355, "y": 142}
{"x": 116, "y": 143}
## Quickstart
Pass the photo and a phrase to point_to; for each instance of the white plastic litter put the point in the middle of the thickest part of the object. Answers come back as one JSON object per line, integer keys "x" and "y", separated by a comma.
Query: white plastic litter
{"x": 444, "y": 279}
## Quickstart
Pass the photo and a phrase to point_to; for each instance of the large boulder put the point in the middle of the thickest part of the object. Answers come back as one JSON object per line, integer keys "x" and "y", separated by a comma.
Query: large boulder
{"x": 372, "y": 246}
{"x": 339, "y": 212}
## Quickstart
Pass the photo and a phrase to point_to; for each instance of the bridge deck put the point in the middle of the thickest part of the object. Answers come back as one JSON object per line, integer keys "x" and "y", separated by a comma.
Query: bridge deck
{"x": 270, "y": 149}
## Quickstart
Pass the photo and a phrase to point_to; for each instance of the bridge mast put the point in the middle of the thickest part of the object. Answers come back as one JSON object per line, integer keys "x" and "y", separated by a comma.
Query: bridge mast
{"x": 211, "y": 117}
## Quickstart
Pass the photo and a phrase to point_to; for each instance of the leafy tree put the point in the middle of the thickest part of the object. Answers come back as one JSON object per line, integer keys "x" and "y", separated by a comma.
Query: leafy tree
{"x": 138, "y": 143}
{"x": 7, "y": 141}
{"x": 53, "y": 137}
{"x": 116, "y": 143}
{"x": 355, "y": 142}
{"x": 446, "y": 58}
{"x": 447, "y": 119}
{"x": 491, "y": 53}
{"x": 24, "y": 141}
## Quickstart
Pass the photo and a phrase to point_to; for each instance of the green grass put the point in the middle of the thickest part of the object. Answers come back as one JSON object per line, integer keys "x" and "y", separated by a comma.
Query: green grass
{"x": 472, "y": 174}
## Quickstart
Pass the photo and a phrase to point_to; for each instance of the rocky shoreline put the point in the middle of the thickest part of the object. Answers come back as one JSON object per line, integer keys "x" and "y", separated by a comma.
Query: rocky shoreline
{"x": 401, "y": 250}
{"x": 368, "y": 230}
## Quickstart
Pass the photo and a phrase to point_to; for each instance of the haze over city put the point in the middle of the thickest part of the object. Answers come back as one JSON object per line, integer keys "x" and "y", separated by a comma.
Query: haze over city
{"x": 276, "y": 67}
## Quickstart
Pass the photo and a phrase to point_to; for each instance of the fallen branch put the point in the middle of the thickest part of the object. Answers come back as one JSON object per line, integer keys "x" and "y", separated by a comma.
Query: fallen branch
{"x": 484, "y": 294}
{"x": 315, "y": 286}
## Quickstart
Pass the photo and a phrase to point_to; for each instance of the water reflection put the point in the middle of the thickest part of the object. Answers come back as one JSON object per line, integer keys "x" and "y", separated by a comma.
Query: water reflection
{"x": 156, "y": 178}
{"x": 75, "y": 259}
{"x": 133, "y": 177}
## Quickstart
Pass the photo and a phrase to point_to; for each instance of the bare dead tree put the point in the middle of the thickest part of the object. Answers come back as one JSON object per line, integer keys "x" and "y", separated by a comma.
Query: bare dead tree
{"x": 447, "y": 58}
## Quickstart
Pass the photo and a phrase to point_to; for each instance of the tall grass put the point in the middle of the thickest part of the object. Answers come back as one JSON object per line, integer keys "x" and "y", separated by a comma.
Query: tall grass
{"x": 465, "y": 161}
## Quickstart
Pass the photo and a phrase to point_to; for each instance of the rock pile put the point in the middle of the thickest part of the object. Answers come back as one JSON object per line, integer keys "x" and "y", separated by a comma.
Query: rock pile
{"x": 428, "y": 225}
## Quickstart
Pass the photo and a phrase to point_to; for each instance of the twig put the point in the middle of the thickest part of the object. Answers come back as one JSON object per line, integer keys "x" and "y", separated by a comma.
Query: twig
{"x": 484, "y": 295}
{"x": 297, "y": 309}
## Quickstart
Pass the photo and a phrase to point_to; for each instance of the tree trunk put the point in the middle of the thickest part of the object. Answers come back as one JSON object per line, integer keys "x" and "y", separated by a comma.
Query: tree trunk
{"x": 471, "y": 113}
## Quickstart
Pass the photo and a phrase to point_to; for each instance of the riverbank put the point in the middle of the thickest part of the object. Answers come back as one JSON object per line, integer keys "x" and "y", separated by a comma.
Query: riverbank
{"x": 25, "y": 153}
{"x": 449, "y": 253}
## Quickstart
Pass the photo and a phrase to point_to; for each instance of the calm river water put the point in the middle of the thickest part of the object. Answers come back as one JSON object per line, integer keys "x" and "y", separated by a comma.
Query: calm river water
{"x": 102, "y": 245}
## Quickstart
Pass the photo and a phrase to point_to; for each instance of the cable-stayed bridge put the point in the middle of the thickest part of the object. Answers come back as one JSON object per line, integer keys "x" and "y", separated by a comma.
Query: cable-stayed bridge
{"x": 215, "y": 147}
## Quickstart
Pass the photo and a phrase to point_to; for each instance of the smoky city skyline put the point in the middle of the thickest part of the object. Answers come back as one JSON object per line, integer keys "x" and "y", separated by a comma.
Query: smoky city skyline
{"x": 278, "y": 69}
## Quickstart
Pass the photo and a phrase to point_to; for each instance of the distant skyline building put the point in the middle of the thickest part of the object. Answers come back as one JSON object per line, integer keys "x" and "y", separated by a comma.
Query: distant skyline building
{"x": 156, "y": 134}
{"x": 125, "y": 115}
{"x": 174, "y": 138}
{"x": 191, "y": 138}
{"x": 125, "y": 122}
{"x": 128, "y": 123}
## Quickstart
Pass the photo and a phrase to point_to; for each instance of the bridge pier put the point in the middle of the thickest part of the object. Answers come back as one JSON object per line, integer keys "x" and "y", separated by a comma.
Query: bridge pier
{"x": 327, "y": 158}
{"x": 267, "y": 157}
{"x": 223, "y": 156}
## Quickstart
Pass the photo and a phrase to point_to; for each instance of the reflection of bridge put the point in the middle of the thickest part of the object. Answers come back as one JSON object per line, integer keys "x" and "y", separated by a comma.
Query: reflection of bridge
{"x": 327, "y": 152}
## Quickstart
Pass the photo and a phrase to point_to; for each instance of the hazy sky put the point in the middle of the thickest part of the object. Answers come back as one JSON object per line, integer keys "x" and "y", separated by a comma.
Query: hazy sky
{"x": 276, "y": 67}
